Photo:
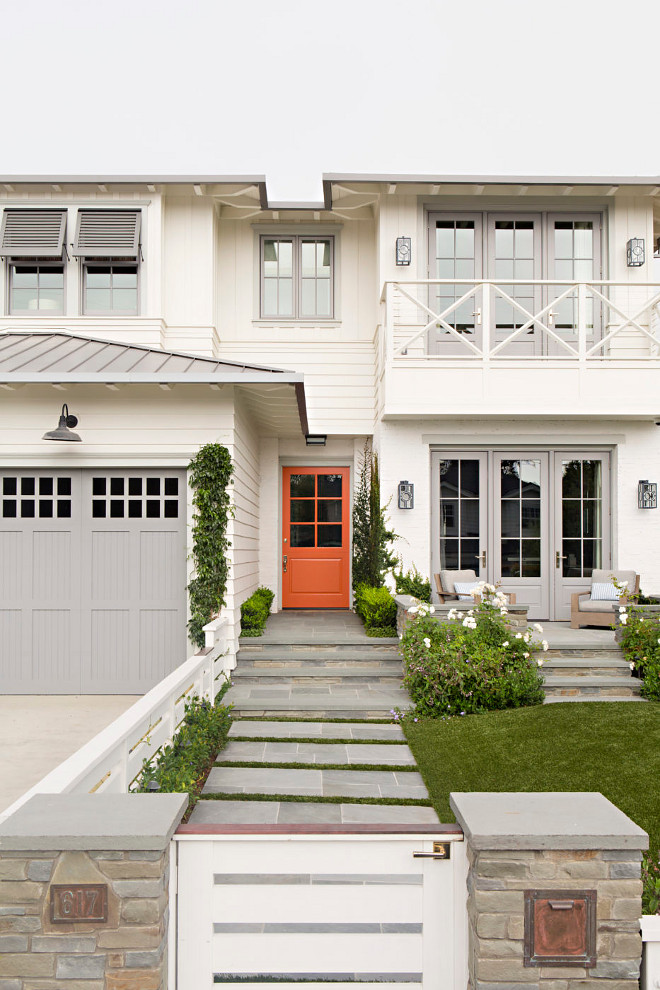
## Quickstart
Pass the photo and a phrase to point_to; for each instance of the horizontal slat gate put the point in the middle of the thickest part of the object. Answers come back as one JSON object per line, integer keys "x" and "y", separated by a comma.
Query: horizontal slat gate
{"x": 340, "y": 909}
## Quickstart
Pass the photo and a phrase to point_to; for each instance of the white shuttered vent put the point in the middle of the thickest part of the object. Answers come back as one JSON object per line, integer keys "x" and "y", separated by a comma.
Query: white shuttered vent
{"x": 108, "y": 234}
{"x": 33, "y": 233}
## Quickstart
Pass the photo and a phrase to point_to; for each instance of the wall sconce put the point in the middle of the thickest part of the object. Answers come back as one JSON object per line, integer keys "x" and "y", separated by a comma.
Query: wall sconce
{"x": 647, "y": 495}
{"x": 635, "y": 252}
{"x": 315, "y": 439}
{"x": 406, "y": 493}
{"x": 403, "y": 250}
{"x": 63, "y": 430}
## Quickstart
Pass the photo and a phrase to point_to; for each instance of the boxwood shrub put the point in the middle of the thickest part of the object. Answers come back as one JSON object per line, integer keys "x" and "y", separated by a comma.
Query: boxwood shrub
{"x": 255, "y": 611}
{"x": 377, "y": 609}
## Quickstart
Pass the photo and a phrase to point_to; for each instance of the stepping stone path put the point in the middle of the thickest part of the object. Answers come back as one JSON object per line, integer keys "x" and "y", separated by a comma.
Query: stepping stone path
{"x": 318, "y": 666}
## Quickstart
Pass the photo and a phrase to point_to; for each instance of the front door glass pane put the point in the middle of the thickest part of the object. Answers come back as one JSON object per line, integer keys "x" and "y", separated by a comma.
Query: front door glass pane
{"x": 520, "y": 508}
{"x": 302, "y": 486}
{"x": 582, "y": 517}
{"x": 459, "y": 514}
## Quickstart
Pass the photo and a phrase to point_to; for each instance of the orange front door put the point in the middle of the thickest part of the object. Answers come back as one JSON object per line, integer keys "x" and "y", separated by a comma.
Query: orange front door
{"x": 315, "y": 538}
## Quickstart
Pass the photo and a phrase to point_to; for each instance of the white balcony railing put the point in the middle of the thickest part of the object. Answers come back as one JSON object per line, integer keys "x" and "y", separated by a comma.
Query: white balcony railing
{"x": 439, "y": 319}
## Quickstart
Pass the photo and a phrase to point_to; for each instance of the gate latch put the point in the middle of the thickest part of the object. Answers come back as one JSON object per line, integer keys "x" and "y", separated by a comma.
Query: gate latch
{"x": 441, "y": 850}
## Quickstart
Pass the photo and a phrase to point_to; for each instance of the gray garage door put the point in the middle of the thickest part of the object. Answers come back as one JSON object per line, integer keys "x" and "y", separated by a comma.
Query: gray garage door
{"x": 92, "y": 580}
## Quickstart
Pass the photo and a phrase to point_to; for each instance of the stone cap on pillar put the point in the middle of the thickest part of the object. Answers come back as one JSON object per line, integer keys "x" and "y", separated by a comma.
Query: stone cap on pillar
{"x": 93, "y": 821}
{"x": 545, "y": 820}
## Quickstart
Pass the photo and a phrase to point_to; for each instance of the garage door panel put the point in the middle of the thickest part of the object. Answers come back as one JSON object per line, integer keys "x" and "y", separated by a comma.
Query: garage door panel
{"x": 112, "y": 660}
{"x": 55, "y": 648}
{"x": 112, "y": 573}
{"x": 11, "y": 571}
{"x": 51, "y": 566}
{"x": 161, "y": 577}
{"x": 11, "y": 625}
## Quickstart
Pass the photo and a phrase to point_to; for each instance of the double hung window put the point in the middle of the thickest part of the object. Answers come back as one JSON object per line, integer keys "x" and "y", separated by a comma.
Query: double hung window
{"x": 297, "y": 276}
{"x": 32, "y": 241}
{"x": 108, "y": 244}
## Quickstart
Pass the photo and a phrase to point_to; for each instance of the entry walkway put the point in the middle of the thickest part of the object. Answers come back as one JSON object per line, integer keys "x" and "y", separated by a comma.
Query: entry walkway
{"x": 38, "y": 732}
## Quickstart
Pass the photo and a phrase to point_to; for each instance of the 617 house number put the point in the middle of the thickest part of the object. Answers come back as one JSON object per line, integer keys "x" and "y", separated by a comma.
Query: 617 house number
{"x": 78, "y": 902}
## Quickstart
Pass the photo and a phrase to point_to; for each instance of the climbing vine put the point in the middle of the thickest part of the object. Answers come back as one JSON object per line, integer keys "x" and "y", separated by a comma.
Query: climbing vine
{"x": 210, "y": 474}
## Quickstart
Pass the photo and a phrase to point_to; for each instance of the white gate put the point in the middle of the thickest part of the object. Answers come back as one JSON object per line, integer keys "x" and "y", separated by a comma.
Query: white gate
{"x": 321, "y": 908}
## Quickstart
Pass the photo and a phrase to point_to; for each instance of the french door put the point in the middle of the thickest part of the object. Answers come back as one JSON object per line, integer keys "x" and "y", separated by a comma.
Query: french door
{"x": 534, "y": 522}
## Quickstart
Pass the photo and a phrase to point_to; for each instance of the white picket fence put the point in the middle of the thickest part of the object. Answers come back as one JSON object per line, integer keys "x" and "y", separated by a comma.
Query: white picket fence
{"x": 111, "y": 761}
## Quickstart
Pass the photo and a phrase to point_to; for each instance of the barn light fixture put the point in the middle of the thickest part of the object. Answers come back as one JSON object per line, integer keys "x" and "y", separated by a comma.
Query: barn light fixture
{"x": 63, "y": 430}
{"x": 403, "y": 250}
{"x": 647, "y": 495}
{"x": 635, "y": 252}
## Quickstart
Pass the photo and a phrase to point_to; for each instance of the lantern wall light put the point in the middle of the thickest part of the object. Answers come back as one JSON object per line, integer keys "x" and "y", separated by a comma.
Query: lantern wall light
{"x": 635, "y": 254}
{"x": 406, "y": 495}
{"x": 647, "y": 495}
{"x": 403, "y": 250}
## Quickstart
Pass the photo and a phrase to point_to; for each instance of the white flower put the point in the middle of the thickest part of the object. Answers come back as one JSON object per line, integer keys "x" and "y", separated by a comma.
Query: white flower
{"x": 526, "y": 656}
{"x": 503, "y": 611}
{"x": 539, "y": 663}
{"x": 459, "y": 615}
{"x": 427, "y": 642}
{"x": 538, "y": 627}
{"x": 519, "y": 635}
{"x": 469, "y": 622}
{"x": 527, "y": 637}
{"x": 505, "y": 643}
{"x": 413, "y": 610}
{"x": 431, "y": 609}
{"x": 400, "y": 635}
{"x": 451, "y": 614}
{"x": 622, "y": 610}
{"x": 632, "y": 665}
{"x": 623, "y": 619}
{"x": 544, "y": 644}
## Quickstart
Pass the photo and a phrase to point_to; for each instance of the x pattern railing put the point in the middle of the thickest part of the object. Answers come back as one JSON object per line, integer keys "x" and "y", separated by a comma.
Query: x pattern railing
{"x": 404, "y": 330}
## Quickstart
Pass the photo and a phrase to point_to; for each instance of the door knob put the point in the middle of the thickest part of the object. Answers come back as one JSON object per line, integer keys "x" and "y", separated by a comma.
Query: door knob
{"x": 558, "y": 558}
{"x": 482, "y": 559}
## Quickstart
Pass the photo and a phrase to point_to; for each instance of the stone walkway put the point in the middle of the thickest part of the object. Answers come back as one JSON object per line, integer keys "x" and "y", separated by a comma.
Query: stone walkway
{"x": 319, "y": 665}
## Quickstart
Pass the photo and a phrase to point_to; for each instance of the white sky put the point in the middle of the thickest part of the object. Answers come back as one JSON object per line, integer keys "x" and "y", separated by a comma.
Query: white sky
{"x": 294, "y": 88}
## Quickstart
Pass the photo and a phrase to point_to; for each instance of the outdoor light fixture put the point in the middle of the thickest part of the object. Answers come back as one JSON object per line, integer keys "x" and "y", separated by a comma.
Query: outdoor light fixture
{"x": 647, "y": 495}
{"x": 406, "y": 495}
{"x": 403, "y": 250}
{"x": 315, "y": 439}
{"x": 635, "y": 252}
{"x": 64, "y": 431}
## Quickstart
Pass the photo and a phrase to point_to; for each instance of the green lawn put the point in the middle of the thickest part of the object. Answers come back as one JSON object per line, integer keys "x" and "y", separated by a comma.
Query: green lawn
{"x": 611, "y": 747}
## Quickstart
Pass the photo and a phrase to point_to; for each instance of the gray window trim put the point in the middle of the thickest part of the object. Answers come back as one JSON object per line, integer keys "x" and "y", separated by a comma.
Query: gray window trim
{"x": 97, "y": 233}
{"x": 112, "y": 263}
{"x": 33, "y": 233}
{"x": 298, "y": 238}
{"x": 39, "y": 263}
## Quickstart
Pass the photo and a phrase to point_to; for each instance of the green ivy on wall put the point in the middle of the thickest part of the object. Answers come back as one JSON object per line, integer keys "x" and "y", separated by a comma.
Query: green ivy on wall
{"x": 210, "y": 474}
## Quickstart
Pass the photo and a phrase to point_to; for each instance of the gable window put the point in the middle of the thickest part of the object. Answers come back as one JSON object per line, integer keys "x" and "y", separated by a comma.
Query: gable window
{"x": 297, "y": 275}
{"x": 108, "y": 245}
{"x": 32, "y": 241}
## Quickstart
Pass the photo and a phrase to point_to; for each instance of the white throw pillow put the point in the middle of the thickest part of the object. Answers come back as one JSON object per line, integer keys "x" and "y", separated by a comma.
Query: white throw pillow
{"x": 604, "y": 591}
{"x": 463, "y": 589}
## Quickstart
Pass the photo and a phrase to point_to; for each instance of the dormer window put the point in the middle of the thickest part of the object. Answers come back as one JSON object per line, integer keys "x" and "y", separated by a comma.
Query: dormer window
{"x": 32, "y": 241}
{"x": 108, "y": 245}
{"x": 297, "y": 275}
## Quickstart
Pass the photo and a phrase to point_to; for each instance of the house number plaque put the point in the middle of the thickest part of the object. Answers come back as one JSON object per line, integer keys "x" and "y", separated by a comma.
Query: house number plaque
{"x": 78, "y": 902}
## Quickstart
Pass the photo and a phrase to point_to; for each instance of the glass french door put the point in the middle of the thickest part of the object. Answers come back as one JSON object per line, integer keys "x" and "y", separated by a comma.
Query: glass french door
{"x": 535, "y": 522}
{"x": 574, "y": 255}
{"x": 455, "y": 251}
{"x": 514, "y": 252}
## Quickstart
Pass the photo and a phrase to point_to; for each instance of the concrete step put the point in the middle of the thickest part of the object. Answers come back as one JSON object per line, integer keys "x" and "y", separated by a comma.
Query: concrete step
{"x": 365, "y": 732}
{"x": 313, "y": 708}
{"x": 553, "y": 699}
{"x": 316, "y": 675}
{"x": 316, "y": 782}
{"x": 580, "y": 653}
{"x": 316, "y": 753}
{"x": 309, "y": 813}
{"x": 370, "y": 661}
{"x": 591, "y": 686}
{"x": 308, "y": 651}
{"x": 587, "y": 667}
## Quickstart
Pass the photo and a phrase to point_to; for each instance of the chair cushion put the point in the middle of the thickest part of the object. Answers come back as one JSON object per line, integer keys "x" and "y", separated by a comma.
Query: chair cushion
{"x": 463, "y": 589}
{"x": 599, "y": 575}
{"x": 447, "y": 579}
{"x": 604, "y": 591}
{"x": 589, "y": 605}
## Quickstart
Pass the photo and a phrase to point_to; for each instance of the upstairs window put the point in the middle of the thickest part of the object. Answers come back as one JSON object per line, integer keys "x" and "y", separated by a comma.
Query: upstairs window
{"x": 108, "y": 244}
{"x": 32, "y": 241}
{"x": 297, "y": 276}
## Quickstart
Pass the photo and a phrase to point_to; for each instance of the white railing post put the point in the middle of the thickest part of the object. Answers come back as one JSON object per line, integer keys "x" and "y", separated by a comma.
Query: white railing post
{"x": 582, "y": 322}
{"x": 486, "y": 306}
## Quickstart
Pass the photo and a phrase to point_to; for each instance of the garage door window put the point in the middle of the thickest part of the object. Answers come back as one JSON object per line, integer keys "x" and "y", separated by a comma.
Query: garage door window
{"x": 135, "y": 498}
{"x": 27, "y": 497}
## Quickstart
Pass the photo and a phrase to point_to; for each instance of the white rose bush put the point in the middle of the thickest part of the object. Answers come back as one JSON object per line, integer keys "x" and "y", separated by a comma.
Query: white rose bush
{"x": 470, "y": 663}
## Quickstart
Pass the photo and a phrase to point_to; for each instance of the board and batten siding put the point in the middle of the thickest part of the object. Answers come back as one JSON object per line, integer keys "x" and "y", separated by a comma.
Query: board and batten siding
{"x": 336, "y": 358}
{"x": 244, "y": 527}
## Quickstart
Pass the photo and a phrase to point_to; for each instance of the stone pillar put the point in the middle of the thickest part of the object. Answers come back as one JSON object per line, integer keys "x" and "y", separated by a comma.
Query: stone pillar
{"x": 84, "y": 891}
{"x": 524, "y": 847}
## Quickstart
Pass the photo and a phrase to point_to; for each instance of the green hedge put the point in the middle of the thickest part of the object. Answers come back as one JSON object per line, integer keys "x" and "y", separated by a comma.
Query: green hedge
{"x": 377, "y": 609}
{"x": 255, "y": 611}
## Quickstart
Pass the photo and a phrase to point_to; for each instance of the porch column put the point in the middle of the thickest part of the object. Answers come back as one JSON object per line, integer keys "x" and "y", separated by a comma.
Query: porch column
{"x": 554, "y": 891}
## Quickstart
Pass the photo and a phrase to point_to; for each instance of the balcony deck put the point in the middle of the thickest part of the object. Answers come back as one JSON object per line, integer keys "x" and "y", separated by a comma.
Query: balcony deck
{"x": 504, "y": 349}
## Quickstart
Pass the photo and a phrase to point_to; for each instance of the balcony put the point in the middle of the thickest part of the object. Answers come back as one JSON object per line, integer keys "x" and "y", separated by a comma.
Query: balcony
{"x": 475, "y": 348}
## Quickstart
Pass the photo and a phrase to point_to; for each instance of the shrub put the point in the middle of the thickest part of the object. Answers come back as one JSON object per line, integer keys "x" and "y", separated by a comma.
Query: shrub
{"x": 412, "y": 583}
{"x": 651, "y": 885}
{"x": 471, "y": 663}
{"x": 377, "y": 608}
{"x": 184, "y": 764}
{"x": 372, "y": 556}
{"x": 255, "y": 611}
{"x": 640, "y": 642}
